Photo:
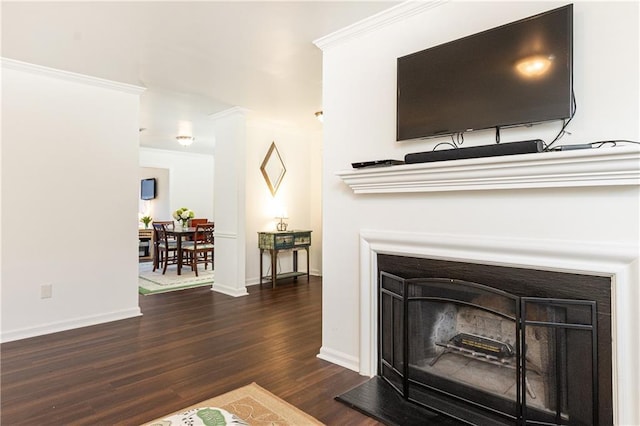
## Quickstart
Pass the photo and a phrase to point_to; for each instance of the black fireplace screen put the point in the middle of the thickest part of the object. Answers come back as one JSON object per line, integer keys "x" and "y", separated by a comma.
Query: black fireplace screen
{"x": 484, "y": 356}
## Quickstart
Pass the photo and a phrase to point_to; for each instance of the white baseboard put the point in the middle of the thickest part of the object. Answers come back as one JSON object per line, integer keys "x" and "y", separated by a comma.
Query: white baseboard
{"x": 252, "y": 281}
{"x": 40, "y": 330}
{"x": 229, "y": 291}
{"x": 344, "y": 360}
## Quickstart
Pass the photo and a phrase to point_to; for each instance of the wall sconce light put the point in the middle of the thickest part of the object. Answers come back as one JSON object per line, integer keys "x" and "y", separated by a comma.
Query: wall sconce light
{"x": 319, "y": 116}
{"x": 185, "y": 140}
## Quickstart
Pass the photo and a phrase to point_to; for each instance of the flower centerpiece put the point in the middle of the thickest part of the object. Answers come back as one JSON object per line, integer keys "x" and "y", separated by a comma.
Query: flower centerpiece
{"x": 146, "y": 220}
{"x": 183, "y": 215}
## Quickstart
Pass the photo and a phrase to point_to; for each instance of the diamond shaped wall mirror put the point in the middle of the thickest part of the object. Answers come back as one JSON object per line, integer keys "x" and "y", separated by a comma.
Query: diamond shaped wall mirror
{"x": 273, "y": 169}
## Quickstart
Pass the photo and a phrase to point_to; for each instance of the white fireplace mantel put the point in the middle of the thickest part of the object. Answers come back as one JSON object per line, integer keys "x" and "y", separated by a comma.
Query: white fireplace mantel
{"x": 578, "y": 168}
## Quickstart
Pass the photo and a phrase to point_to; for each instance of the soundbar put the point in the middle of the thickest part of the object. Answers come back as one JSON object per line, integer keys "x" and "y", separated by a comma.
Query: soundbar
{"x": 510, "y": 148}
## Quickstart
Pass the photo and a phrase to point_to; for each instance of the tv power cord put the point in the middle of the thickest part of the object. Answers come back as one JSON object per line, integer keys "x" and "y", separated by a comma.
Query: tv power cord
{"x": 593, "y": 145}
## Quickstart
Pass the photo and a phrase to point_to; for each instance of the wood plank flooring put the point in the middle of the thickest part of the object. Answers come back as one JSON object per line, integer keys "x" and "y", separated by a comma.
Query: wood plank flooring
{"x": 188, "y": 346}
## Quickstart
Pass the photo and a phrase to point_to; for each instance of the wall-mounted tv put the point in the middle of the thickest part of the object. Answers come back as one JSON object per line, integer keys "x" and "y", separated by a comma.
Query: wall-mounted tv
{"x": 148, "y": 189}
{"x": 519, "y": 73}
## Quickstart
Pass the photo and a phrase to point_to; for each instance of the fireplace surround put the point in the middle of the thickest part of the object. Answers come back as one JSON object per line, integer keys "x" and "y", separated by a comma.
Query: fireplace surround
{"x": 615, "y": 262}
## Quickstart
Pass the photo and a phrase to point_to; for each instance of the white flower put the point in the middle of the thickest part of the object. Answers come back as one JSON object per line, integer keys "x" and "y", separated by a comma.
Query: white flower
{"x": 183, "y": 214}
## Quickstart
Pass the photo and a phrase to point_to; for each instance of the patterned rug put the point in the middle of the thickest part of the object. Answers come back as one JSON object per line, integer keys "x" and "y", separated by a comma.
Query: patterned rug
{"x": 250, "y": 404}
{"x": 150, "y": 282}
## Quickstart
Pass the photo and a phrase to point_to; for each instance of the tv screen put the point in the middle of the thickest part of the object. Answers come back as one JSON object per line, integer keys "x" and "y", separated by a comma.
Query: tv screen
{"x": 148, "y": 189}
{"x": 515, "y": 74}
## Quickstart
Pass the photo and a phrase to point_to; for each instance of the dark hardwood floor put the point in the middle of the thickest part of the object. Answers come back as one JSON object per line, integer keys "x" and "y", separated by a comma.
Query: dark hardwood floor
{"x": 188, "y": 346}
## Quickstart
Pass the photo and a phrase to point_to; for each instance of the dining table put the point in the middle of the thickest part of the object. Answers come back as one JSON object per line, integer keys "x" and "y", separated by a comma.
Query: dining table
{"x": 180, "y": 234}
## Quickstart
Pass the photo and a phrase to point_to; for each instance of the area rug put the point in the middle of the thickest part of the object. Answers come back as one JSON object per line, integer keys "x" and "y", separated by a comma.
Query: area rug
{"x": 251, "y": 404}
{"x": 150, "y": 282}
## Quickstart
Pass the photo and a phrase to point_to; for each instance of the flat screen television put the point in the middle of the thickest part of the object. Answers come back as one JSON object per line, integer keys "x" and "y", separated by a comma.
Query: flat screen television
{"x": 148, "y": 189}
{"x": 516, "y": 74}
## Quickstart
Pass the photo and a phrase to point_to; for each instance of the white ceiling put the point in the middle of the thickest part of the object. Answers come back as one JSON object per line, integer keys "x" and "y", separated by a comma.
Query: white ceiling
{"x": 195, "y": 58}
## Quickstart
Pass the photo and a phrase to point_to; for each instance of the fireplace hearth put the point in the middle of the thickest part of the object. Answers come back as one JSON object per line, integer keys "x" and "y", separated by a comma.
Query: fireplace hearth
{"x": 484, "y": 344}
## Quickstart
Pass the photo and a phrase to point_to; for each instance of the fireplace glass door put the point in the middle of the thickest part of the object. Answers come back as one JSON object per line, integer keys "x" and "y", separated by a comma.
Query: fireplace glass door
{"x": 484, "y": 356}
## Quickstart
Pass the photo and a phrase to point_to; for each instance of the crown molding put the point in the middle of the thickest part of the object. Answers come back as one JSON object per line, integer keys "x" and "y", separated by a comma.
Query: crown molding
{"x": 578, "y": 168}
{"x": 379, "y": 20}
{"x": 235, "y": 111}
{"x": 13, "y": 64}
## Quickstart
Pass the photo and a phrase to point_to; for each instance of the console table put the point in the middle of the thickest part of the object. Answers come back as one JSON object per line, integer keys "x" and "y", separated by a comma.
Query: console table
{"x": 146, "y": 235}
{"x": 277, "y": 241}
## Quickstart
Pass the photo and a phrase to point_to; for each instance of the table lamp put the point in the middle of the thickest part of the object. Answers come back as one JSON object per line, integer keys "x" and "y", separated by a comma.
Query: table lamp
{"x": 281, "y": 226}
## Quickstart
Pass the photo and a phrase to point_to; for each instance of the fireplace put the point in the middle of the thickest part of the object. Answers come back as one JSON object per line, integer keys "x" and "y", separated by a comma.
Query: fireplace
{"x": 505, "y": 198}
{"x": 496, "y": 345}
{"x": 487, "y": 344}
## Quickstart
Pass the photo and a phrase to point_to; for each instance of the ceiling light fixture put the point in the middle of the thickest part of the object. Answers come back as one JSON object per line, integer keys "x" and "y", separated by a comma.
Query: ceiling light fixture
{"x": 320, "y": 116}
{"x": 185, "y": 140}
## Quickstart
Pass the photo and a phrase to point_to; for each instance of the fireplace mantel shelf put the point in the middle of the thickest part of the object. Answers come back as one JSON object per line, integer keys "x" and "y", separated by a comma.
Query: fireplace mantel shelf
{"x": 580, "y": 168}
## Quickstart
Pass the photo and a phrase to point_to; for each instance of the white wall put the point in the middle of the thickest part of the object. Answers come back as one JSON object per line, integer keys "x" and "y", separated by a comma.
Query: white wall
{"x": 191, "y": 180}
{"x": 359, "y": 90}
{"x": 65, "y": 216}
{"x": 299, "y": 194}
{"x": 315, "y": 201}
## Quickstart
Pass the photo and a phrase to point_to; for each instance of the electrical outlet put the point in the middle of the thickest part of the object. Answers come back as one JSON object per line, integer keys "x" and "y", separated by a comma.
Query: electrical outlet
{"x": 46, "y": 291}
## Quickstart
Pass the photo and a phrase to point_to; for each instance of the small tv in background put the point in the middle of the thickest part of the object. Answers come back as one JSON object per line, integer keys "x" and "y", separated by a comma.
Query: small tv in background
{"x": 148, "y": 189}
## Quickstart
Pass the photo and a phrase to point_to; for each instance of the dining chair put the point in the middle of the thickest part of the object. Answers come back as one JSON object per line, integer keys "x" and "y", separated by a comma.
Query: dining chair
{"x": 166, "y": 250}
{"x": 198, "y": 221}
{"x": 198, "y": 250}
{"x": 195, "y": 222}
{"x": 170, "y": 224}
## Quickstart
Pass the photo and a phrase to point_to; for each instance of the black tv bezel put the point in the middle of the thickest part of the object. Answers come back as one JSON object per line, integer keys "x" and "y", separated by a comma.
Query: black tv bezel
{"x": 463, "y": 129}
{"x": 142, "y": 185}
